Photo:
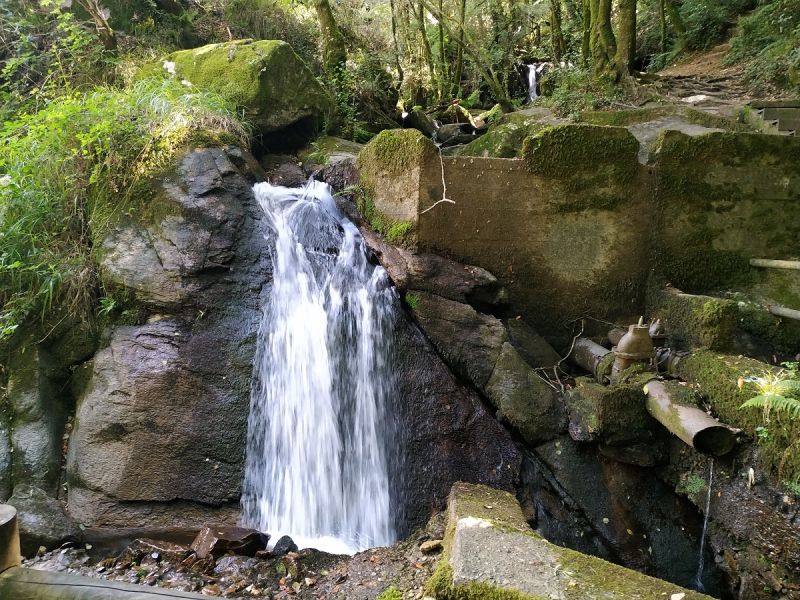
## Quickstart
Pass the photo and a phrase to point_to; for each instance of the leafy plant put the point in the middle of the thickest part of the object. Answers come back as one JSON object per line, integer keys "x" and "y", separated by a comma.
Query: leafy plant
{"x": 777, "y": 391}
{"x": 391, "y": 593}
{"x": 412, "y": 300}
{"x": 107, "y": 304}
{"x": 319, "y": 155}
{"x": 695, "y": 484}
{"x": 72, "y": 166}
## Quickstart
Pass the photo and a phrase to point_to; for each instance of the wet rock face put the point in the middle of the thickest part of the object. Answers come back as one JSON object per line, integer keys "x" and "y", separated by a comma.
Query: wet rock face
{"x": 160, "y": 431}
{"x": 446, "y": 432}
{"x": 575, "y": 496}
{"x": 43, "y": 521}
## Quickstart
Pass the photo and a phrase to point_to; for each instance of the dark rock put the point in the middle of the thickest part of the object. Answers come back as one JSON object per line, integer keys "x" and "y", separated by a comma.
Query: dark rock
{"x": 35, "y": 397}
{"x": 525, "y": 400}
{"x": 340, "y": 175}
{"x": 447, "y": 433}
{"x": 43, "y": 521}
{"x": 219, "y": 540}
{"x": 283, "y": 545}
{"x": 418, "y": 120}
{"x": 470, "y": 342}
{"x": 642, "y": 455}
{"x": 447, "y": 132}
{"x": 532, "y": 347}
{"x": 454, "y": 281}
{"x": 153, "y": 551}
{"x": 282, "y": 170}
{"x": 160, "y": 430}
{"x": 459, "y": 140}
{"x": 616, "y": 511}
{"x": 240, "y": 567}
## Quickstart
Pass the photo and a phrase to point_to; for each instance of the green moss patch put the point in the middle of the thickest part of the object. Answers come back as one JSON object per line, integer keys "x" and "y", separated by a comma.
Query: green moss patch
{"x": 607, "y": 411}
{"x": 623, "y": 118}
{"x": 695, "y": 321}
{"x": 719, "y": 377}
{"x": 266, "y": 78}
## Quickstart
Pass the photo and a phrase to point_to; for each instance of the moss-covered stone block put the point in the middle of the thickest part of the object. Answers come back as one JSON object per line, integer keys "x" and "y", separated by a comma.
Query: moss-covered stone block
{"x": 612, "y": 413}
{"x": 622, "y": 118}
{"x": 491, "y": 553}
{"x": 561, "y": 150}
{"x": 266, "y": 78}
{"x": 390, "y": 167}
{"x": 727, "y": 382}
{"x": 724, "y": 197}
{"x": 504, "y": 139}
{"x": 592, "y": 166}
{"x": 695, "y": 321}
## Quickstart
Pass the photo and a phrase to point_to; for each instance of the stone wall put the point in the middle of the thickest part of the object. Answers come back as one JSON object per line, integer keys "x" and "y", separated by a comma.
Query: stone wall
{"x": 577, "y": 225}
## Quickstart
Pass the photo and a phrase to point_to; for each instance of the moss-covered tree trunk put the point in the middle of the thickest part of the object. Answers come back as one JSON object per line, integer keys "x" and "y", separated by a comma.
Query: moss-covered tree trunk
{"x": 556, "y": 34}
{"x": 462, "y": 13}
{"x": 677, "y": 21}
{"x": 586, "y": 45}
{"x": 602, "y": 41}
{"x": 425, "y": 43}
{"x": 332, "y": 39}
{"x": 443, "y": 75}
{"x": 626, "y": 37}
{"x": 397, "y": 62}
{"x": 662, "y": 14}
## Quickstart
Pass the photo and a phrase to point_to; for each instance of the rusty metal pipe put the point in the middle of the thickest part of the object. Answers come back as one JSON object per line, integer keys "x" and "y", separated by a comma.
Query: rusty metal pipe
{"x": 589, "y": 355}
{"x": 690, "y": 424}
{"x": 775, "y": 264}
{"x": 9, "y": 538}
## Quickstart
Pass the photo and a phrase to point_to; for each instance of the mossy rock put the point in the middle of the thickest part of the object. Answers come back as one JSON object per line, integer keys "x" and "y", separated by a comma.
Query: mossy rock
{"x": 504, "y": 139}
{"x": 266, "y": 78}
{"x": 561, "y": 150}
{"x": 726, "y": 382}
{"x": 623, "y": 118}
{"x": 696, "y": 321}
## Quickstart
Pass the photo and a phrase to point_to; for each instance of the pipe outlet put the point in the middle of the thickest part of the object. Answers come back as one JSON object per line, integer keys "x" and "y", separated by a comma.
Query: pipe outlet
{"x": 689, "y": 423}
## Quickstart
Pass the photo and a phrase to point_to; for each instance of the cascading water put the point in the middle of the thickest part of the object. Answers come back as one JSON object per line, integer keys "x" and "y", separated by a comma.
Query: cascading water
{"x": 320, "y": 427}
{"x": 701, "y": 564}
{"x": 532, "y": 75}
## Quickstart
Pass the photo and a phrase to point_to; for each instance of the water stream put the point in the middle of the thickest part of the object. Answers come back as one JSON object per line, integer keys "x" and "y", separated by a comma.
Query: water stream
{"x": 321, "y": 429}
{"x": 701, "y": 563}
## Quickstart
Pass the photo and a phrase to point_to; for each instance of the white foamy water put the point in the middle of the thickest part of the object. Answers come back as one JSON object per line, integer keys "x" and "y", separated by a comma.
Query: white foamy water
{"x": 319, "y": 427}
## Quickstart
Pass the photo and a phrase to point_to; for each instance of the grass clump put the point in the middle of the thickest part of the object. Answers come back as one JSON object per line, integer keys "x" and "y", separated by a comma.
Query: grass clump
{"x": 68, "y": 170}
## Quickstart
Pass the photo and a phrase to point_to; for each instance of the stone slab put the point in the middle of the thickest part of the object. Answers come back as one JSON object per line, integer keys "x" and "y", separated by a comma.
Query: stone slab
{"x": 491, "y": 552}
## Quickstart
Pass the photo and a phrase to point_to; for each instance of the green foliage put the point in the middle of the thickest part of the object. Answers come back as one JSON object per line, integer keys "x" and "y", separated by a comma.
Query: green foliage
{"x": 68, "y": 169}
{"x": 107, "y": 304}
{"x": 473, "y": 100}
{"x": 694, "y": 485}
{"x": 319, "y": 155}
{"x": 575, "y": 89}
{"x": 769, "y": 45}
{"x": 412, "y": 300}
{"x": 399, "y": 231}
{"x": 391, "y": 593}
{"x": 778, "y": 391}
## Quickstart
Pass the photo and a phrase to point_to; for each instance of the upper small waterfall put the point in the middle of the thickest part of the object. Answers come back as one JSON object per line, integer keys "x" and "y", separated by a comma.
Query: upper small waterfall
{"x": 320, "y": 426}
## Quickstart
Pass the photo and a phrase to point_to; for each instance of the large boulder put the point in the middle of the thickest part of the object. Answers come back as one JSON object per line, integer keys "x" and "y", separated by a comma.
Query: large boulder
{"x": 267, "y": 78}
{"x": 160, "y": 431}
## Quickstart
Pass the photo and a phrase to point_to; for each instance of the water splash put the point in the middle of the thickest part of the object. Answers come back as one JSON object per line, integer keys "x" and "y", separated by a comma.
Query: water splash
{"x": 317, "y": 465}
{"x": 701, "y": 565}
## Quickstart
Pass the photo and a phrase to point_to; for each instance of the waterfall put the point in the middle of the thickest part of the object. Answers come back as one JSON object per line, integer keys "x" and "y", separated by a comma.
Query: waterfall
{"x": 532, "y": 76}
{"x": 321, "y": 430}
{"x": 701, "y": 564}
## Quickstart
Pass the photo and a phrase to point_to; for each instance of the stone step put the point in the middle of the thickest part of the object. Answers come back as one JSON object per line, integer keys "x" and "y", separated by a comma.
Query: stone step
{"x": 789, "y": 124}
{"x": 771, "y": 114}
{"x": 491, "y": 552}
{"x": 793, "y": 103}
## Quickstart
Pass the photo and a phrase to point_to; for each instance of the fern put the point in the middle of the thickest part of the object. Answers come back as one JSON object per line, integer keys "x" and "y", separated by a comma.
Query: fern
{"x": 769, "y": 402}
{"x": 776, "y": 392}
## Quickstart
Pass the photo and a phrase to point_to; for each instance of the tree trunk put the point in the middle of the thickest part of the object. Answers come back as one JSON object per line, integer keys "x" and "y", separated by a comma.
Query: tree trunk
{"x": 460, "y": 57}
{"x": 603, "y": 44}
{"x": 586, "y": 46}
{"x": 426, "y": 45}
{"x": 443, "y": 75}
{"x": 626, "y": 40}
{"x": 335, "y": 54}
{"x": 104, "y": 31}
{"x": 677, "y": 22}
{"x": 663, "y": 17}
{"x": 556, "y": 35}
{"x": 396, "y": 45}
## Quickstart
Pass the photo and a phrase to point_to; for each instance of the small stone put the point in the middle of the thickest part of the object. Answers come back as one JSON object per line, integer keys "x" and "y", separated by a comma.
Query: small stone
{"x": 211, "y": 590}
{"x": 284, "y": 545}
{"x": 431, "y": 546}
